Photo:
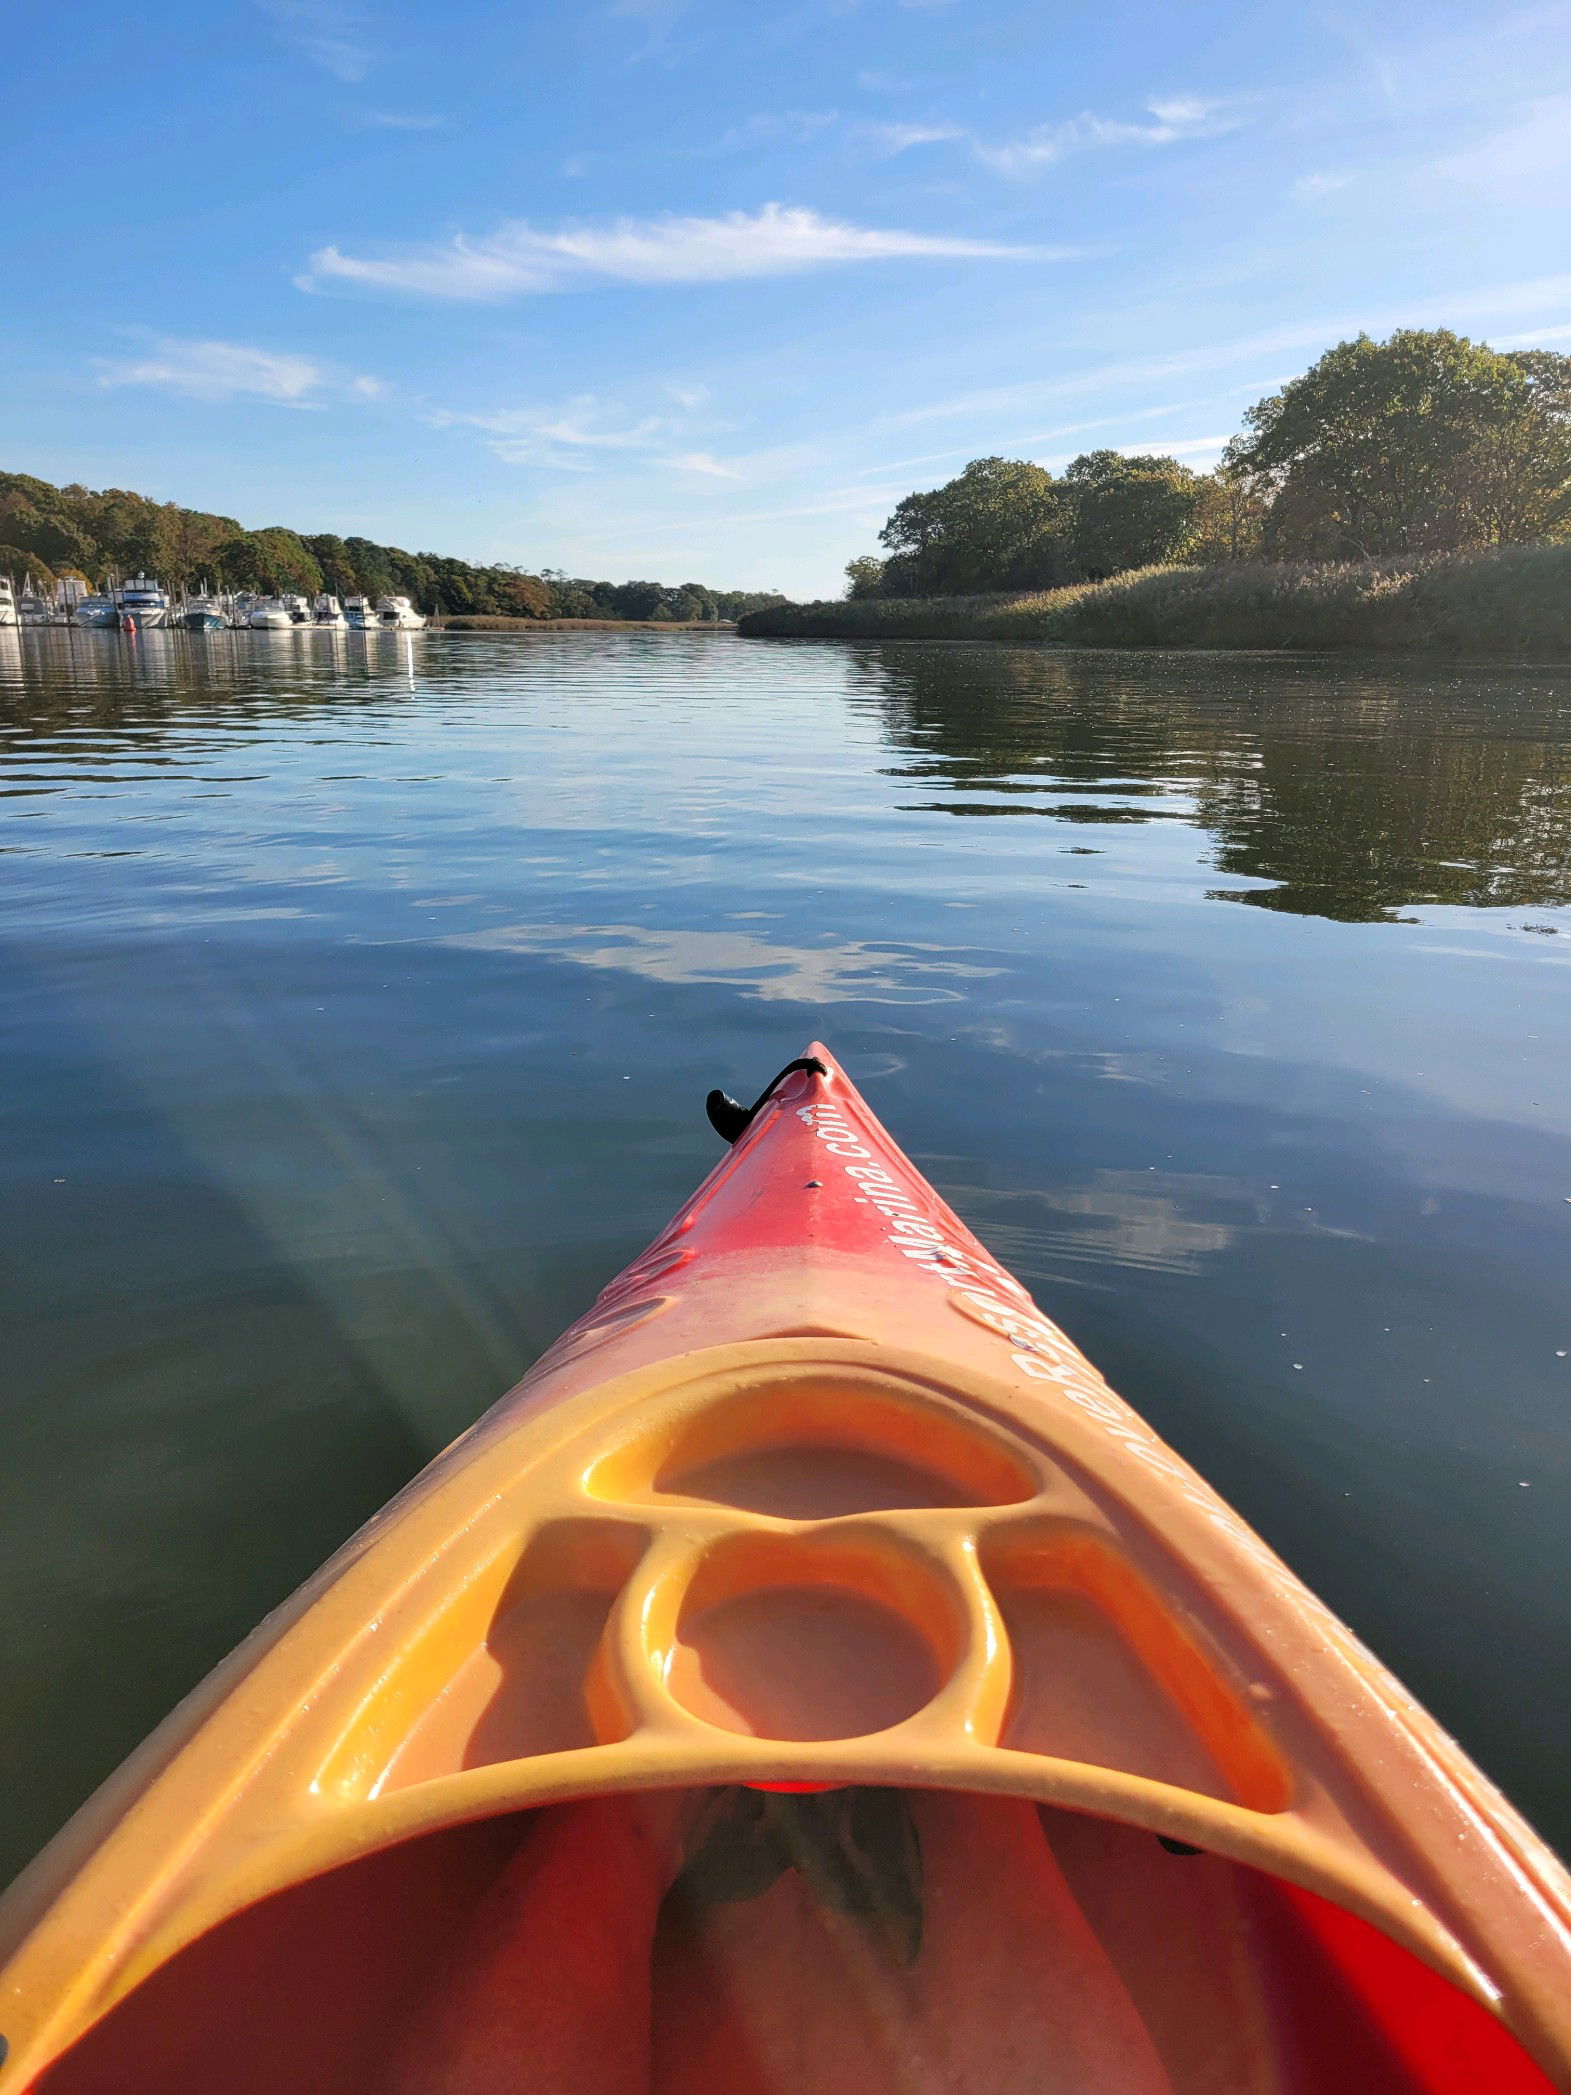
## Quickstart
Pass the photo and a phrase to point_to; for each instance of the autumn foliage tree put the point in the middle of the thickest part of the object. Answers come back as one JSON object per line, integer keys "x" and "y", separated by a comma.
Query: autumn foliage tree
{"x": 112, "y": 532}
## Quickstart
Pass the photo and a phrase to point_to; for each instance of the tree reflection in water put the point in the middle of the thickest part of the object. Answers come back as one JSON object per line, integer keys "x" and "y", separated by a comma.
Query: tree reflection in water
{"x": 1354, "y": 794}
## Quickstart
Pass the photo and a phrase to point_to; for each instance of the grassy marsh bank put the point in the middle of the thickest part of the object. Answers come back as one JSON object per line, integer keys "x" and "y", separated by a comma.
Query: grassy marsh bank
{"x": 1514, "y": 602}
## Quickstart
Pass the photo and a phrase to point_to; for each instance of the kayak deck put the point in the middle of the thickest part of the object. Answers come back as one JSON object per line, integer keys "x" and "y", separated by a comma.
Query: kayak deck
{"x": 812, "y": 1505}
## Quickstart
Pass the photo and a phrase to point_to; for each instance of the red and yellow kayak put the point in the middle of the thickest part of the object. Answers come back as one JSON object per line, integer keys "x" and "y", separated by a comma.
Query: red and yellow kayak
{"x": 811, "y": 1676}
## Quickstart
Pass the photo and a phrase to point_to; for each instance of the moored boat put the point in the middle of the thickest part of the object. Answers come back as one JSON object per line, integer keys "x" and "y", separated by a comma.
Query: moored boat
{"x": 32, "y": 606}
{"x": 7, "y": 601}
{"x": 270, "y": 614}
{"x": 359, "y": 613}
{"x": 140, "y": 603}
{"x": 203, "y": 613}
{"x": 96, "y": 609}
{"x": 327, "y": 611}
{"x": 811, "y": 1676}
{"x": 398, "y": 614}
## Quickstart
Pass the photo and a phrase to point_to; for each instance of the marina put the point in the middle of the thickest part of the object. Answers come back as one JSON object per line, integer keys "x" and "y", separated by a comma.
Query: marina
{"x": 142, "y": 605}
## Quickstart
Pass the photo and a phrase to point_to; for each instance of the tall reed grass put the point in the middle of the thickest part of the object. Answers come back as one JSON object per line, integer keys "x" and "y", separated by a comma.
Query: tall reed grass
{"x": 1512, "y": 602}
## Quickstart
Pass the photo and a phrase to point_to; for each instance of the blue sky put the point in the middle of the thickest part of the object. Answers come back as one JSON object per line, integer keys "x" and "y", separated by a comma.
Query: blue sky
{"x": 699, "y": 288}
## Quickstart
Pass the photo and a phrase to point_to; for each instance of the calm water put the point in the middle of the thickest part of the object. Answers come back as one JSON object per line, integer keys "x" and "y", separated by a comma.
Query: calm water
{"x": 358, "y": 999}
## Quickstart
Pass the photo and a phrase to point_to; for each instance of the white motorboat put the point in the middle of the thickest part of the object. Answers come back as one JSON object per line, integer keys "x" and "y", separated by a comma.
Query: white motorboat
{"x": 32, "y": 606}
{"x": 70, "y": 592}
{"x": 270, "y": 614}
{"x": 7, "y": 602}
{"x": 141, "y": 603}
{"x": 203, "y": 613}
{"x": 397, "y": 614}
{"x": 359, "y": 614}
{"x": 299, "y": 609}
{"x": 97, "y": 609}
{"x": 329, "y": 612}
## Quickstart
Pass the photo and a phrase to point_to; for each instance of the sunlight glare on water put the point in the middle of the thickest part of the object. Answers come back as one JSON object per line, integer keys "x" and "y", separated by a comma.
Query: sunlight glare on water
{"x": 359, "y": 1000}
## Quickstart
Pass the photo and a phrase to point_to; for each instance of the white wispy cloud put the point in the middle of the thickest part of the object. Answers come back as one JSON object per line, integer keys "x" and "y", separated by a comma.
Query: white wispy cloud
{"x": 657, "y": 17}
{"x": 570, "y": 435}
{"x": 331, "y": 35}
{"x": 701, "y": 462}
{"x": 588, "y": 434}
{"x": 223, "y": 371}
{"x": 765, "y": 130}
{"x": 1179, "y": 447}
{"x": 1308, "y": 188}
{"x": 1172, "y": 119}
{"x": 520, "y": 259}
{"x": 564, "y": 431}
{"x": 1524, "y": 163}
{"x": 1487, "y": 307}
{"x": 400, "y": 120}
{"x": 768, "y": 127}
{"x": 1026, "y": 443}
{"x": 890, "y": 139}
{"x": 1534, "y": 337}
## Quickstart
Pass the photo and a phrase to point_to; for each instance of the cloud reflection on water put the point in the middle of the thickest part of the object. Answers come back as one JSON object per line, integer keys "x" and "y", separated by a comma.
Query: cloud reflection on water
{"x": 850, "y": 971}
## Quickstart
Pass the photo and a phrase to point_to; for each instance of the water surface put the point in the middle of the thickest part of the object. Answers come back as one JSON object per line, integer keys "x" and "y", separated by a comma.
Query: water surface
{"x": 358, "y": 996}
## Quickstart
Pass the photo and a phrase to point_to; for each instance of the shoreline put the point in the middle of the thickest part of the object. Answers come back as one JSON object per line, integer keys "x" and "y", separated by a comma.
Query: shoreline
{"x": 1513, "y": 603}
{"x": 489, "y": 622}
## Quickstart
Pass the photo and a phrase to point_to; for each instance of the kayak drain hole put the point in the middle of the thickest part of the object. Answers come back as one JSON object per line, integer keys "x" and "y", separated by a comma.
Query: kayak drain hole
{"x": 781, "y": 1639}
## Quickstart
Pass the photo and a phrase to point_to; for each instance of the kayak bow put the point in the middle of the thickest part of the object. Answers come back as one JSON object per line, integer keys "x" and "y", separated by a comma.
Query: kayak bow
{"x": 815, "y": 1513}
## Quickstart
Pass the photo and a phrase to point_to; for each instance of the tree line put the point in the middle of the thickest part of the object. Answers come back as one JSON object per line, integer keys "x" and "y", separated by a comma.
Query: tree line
{"x": 1425, "y": 443}
{"x": 99, "y": 534}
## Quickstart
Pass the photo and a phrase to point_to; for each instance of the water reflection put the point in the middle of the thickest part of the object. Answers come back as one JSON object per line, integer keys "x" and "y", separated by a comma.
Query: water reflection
{"x": 1399, "y": 786}
{"x": 358, "y": 1000}
{"x": 839, "y": 971}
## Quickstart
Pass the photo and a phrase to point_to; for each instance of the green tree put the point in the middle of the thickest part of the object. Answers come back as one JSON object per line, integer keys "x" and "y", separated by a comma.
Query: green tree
{"x": 1130, "y": 512}
{"x": 34, "y": 517}
{"x": 273, "y": 560}
{"x": 1425, "y": 442}
{"x": 337, "y": 563}
{"x": 192, "y": 537}
{"x": 638, "y": 599}
{"x": 373, "y": 576}
{"x": 690, "y": 600}
{"x": 570, "y": 599}
{"x": 1229, "y": 519}
{"x": 147, "y": 543}
{"x": 998, "y": 525}
{"x": 865, "y": 575}
{"x": 736, "y": 603}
